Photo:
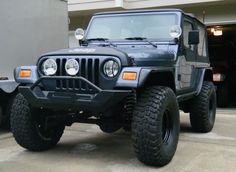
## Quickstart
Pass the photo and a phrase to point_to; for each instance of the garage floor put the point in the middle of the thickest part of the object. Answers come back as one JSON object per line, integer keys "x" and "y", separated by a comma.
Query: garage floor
{"x": 85, "y": 148}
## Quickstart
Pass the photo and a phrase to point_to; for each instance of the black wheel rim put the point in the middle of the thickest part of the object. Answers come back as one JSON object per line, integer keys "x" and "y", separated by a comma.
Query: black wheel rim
{"x": 166, "y": 127}
{"x": 40, "y": 124}
{"x": 44, "y": 133}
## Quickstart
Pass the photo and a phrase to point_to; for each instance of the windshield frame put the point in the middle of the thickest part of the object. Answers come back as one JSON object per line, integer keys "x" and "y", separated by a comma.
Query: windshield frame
{"x": 177, "y": 13}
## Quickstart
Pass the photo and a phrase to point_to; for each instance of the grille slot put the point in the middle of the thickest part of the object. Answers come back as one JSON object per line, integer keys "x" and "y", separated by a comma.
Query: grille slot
{"x": 89, "y": 69}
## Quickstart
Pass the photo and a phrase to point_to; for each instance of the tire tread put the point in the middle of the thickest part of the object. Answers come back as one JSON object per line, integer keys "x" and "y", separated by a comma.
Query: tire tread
{"x": 146, "y": 141}
{"x": 25, "y": 132}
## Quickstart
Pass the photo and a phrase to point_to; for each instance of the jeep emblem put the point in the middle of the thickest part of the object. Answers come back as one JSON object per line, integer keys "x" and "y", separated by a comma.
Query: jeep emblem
{"x": 86, "y": 50}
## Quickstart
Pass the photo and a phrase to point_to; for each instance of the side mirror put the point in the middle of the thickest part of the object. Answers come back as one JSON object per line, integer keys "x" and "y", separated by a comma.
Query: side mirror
{"x": 79, "y": 34}
{"x": 193, "y": 37}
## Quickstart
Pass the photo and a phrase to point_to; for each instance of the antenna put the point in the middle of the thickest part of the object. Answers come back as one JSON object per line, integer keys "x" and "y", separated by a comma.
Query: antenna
{"x": 203, "y": 16}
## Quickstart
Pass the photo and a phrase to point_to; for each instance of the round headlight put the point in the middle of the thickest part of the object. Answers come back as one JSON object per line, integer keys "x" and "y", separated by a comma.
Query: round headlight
{"x": 72, "y": 67}
{"x": 111, "y": 68}
{"x": 49, "y": 67}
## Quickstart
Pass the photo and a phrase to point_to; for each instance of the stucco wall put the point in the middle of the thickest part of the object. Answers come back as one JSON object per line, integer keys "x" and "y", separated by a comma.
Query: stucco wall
{"x": 222, "y": 13}
{"x": 214, "y": 14}
{"x": 28, "y": 29}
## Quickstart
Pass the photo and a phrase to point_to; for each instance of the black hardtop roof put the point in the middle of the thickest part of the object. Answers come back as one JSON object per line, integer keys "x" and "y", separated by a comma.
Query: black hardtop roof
{"x": 147, "y": 11}
{"x": 140, "y": 11}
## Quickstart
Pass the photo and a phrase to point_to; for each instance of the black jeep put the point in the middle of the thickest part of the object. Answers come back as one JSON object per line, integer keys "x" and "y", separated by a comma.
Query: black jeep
{"x": 133, "y": 70}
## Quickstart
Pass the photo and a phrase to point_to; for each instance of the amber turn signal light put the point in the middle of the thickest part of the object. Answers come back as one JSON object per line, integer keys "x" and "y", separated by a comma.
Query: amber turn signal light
{"x": 129, "y": 76}
{"x": 25, "y": 73}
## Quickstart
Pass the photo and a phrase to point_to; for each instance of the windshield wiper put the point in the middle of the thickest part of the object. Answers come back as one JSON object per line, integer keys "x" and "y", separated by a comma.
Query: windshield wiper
{"x": 106, "y": 40}
{"x": 142, "y": 39}
{"x": 136, "y": 38}
{"x": 97, "y": 39}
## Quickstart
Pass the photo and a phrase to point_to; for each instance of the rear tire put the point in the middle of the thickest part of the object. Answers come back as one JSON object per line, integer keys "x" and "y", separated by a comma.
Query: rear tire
{"x": 110, "y": 120}
{"x": 155, "y": 126}
{"x": 7, "y": 108}
{"x": 1, "y": 116}
{"x": 203, "y": 109}
{"x": 108, "y": 128}
{"x": 109, "y": 125}
{"x": 27, "y": 130}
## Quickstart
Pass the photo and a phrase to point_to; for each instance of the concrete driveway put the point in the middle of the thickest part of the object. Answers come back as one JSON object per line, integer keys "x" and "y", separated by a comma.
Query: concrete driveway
{"x": 85, "y": 148}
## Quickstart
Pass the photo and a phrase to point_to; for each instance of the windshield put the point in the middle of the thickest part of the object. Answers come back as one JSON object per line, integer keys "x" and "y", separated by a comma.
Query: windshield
{"x": 150, "y": 26}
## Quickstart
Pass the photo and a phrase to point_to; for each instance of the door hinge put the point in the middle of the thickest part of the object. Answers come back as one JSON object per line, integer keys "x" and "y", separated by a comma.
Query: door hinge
{"x": 179, "y": 77}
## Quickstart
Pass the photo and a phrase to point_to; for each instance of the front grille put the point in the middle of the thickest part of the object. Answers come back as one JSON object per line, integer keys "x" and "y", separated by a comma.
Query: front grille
{"x": 89, "y": 69}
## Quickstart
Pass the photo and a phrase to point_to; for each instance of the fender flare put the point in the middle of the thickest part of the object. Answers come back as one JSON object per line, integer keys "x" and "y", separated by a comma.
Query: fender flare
{"x": 8, "y": 86}
{"x": 142, "y": 75}
{"x": 206, "y": 75}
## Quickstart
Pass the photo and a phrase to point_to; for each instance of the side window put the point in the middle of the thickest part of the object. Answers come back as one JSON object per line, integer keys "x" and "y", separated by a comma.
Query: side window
{"x": 202, "y": 41}
{"x": 187, "y": 28}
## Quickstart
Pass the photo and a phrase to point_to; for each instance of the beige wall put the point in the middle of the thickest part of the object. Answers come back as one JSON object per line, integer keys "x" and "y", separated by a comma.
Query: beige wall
{"x": 215, "y": 14}
{"x": 29, "y": 29}
{"x": 80, "y": 5}
{"x": 225, "y": 13}
{"x": 221, "y": 12}
{"x": 79, "y": 21}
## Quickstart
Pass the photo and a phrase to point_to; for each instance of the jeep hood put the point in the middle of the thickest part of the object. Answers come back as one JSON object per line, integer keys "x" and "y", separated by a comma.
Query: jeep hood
{"x": 139, "y": 55}
{"x": 149, "y": 56}
{"x": 94, "y": 51}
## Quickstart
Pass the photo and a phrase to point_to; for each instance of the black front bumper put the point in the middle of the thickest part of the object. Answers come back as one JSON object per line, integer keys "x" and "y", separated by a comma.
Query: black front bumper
{"x": 99, "y": 101}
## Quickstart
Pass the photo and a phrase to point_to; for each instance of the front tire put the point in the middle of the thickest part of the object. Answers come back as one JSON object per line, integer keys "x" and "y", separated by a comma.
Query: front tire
{"x": 203, "y": 109}
{"x": 27, "y": 129}
{"x": 155, "y": 126}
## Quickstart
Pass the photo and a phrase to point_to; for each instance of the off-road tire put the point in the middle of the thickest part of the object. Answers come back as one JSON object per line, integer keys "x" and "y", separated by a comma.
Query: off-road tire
{"x": 6, "y": 110}
{"x": 1, "y": 116}
{"x": 108, "y": 128}
{"x": 25, "y": 130}
{"x": 155, "y": 126}
{"x": 127, "y": 128}
{"x": 203, "y": 109}
{"x": 222, "y": 95}
{"x": 109, "y": 125}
